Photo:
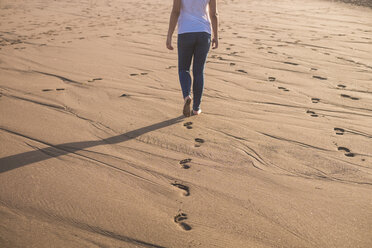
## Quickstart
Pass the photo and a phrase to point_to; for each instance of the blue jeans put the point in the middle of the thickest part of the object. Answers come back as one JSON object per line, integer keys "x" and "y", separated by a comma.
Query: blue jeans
{"x": 193, "y": 45}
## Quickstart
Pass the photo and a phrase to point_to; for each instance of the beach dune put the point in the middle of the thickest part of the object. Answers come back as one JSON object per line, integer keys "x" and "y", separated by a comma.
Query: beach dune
{"x": 95, "y": 152}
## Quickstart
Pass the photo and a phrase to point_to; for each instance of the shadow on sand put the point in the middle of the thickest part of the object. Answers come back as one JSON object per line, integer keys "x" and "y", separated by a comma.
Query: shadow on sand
{"x": 26, "y": 158}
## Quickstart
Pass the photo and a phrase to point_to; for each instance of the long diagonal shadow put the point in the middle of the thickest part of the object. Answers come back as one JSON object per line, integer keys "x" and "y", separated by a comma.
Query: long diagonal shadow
{"x": 15, "y": 161}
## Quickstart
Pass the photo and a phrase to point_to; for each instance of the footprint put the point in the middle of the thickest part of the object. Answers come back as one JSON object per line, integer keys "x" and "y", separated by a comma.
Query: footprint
{"x": 315, "y": 100}
{"x": 242, "y": 71}
{"x": 179, "y": 218}
{"x": 45, "y": 90}
{"x": 60, "y": 89}
{"x": 171, "y": 66}
{"x": 182, "y": 187}
{"x": 314, "y": 69}
{"x": 232, "y": 64}
{"x": 188, "y": 125}
{"x": 320, "y": 78}
{"x": 94, "y": 79}
{"x": 184, "y": 163}
{"x": 199, "y": 141}
{"x": 136, "y": 74}
{"x": 290, "y": 63}
{"x": 272, "y": 79}
{"x": 283, "y": 88}
{"x": 341, "y": 86}
{"x": 312, "y": 113}
{"x": 339, "y": 131}
{"x": 124, "y": 95}
{"x": 347, "y": 151}
{"x": 347, "y": 96}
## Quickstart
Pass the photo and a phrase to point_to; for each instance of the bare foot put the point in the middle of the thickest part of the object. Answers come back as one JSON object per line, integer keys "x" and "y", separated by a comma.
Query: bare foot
{"x": 187, "y": 107}
{"x": 196, "y": 112}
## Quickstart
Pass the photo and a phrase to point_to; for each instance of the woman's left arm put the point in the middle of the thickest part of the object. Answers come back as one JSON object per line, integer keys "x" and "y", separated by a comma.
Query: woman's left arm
{"x": 213, "y": 13}
{"x": 173, "y": 22}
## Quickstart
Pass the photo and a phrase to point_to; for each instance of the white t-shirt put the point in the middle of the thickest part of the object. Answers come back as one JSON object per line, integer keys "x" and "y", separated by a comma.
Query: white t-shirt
{"x": 194, "y": 17}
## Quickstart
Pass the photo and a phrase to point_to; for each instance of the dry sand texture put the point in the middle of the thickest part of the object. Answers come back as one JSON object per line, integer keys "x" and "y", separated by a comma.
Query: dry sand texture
{"x": 94, "y": 151}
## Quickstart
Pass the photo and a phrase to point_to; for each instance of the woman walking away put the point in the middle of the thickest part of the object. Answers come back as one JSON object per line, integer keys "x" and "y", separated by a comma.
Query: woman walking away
{"x": 194, "y": 18}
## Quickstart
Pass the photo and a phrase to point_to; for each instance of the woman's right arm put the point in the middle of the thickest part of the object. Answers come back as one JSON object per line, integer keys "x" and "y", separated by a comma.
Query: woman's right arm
{"x": 213, "y": 14}
{"x": 173, "y": 22}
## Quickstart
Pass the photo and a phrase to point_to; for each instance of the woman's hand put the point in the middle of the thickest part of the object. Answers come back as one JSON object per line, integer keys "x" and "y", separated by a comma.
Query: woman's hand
{"x": 169, "y": 43}
{"x": 214, "y": 43}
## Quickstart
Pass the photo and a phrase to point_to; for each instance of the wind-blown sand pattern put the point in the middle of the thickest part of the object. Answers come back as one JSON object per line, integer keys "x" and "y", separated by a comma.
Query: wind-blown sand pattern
{"x": 94, "y": 151}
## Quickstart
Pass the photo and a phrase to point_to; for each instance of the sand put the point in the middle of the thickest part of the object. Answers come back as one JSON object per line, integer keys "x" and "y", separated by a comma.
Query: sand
{"x": 94, "y": 151}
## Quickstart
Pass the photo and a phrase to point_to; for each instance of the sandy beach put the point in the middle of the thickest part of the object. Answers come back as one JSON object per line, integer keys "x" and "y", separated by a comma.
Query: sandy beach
{"x": 95, "y": 152}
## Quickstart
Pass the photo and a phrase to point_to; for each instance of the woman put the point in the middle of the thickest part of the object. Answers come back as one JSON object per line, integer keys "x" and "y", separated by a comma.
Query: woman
{"x": 194, "y": 18}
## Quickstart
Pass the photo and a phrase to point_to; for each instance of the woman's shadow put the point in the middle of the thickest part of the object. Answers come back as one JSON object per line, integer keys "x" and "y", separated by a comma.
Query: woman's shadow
{"x": 52, "y": 151}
